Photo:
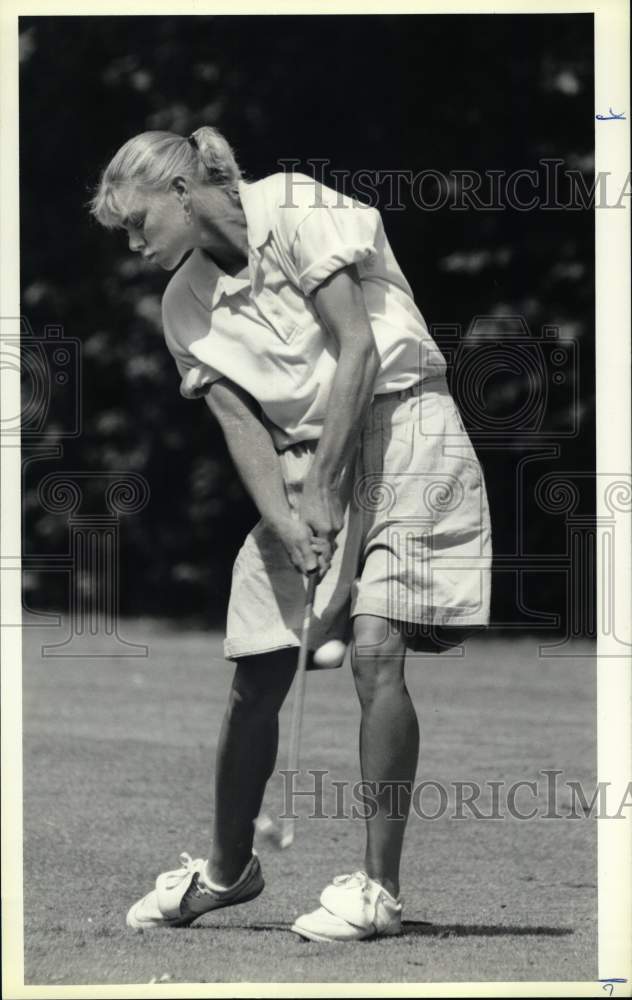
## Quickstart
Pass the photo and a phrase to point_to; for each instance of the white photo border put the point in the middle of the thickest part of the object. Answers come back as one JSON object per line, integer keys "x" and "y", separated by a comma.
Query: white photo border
{"x": 614, "y": 448}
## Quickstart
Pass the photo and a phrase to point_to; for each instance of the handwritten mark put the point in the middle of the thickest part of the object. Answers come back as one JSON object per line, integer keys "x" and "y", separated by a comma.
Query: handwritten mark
{"x": 608, "y": 984}
{"x": 611, "y": 116}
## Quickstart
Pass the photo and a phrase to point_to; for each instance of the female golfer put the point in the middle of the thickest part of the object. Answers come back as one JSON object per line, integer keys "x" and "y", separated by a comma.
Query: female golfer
{"x": 292, "y": 318}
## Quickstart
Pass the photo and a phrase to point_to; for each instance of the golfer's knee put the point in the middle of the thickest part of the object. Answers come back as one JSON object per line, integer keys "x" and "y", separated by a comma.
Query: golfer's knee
{"x": 377, "y": 671}
{"x": 378, "y": 654}
{"x": 260, "y": 685}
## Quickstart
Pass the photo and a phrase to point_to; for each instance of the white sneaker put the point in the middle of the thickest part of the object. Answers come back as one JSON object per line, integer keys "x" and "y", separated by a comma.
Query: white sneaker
{"x": 352, "y": 908}
{"x": 182, "y": 895}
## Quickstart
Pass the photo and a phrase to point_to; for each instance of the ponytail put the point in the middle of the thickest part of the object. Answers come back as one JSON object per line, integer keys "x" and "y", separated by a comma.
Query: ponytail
{"x": 216, "y": 157}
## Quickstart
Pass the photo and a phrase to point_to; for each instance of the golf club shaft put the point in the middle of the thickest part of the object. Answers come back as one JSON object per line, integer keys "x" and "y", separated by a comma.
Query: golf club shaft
{"x": 299, "y": 695}
{"x": 299, "y": 682}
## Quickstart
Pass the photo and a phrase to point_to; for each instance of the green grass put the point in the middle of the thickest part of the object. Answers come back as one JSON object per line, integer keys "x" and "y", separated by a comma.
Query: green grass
{"x": 118, "y": 757}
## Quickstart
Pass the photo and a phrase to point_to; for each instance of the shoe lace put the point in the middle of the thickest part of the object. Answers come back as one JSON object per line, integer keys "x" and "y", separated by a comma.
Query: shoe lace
{"x": 357, "y": 879}
{"x": 189, "y": 867}
{"x": 352, "y": 881}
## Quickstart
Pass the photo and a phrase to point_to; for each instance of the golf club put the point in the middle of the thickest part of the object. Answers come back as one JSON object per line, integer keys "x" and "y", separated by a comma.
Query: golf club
{"x": 283, "y": 836}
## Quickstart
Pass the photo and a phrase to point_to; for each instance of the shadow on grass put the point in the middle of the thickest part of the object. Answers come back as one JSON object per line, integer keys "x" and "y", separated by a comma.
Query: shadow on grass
{"x": 423, "y": 928}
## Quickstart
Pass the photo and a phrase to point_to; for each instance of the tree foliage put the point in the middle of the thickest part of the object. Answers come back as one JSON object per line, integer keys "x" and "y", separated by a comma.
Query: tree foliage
{"x": 378, "y": 93}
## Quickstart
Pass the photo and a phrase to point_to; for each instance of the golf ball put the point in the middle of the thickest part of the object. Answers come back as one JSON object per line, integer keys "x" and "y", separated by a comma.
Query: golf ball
{"x": 330, "y": 654}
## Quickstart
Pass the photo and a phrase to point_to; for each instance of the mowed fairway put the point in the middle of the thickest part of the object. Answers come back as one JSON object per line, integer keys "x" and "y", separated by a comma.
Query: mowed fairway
{"x": 118, "y": 756}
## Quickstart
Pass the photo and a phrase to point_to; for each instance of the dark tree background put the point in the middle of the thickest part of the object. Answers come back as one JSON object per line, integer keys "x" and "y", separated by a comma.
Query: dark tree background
{"x": 378, "y": 93}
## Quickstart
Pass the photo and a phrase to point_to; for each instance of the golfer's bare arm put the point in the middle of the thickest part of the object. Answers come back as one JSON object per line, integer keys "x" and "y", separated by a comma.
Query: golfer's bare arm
{"x": 252, "y": 450}
{"x": 340, "y": 305}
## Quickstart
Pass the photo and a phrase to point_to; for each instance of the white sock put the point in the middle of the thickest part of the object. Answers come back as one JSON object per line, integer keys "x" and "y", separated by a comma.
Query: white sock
{"x": 208, "y": 881}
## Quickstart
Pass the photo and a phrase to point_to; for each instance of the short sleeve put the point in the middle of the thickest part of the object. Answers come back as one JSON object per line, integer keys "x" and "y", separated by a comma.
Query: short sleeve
{"x": 331, "y": 237}
{"x": 184, "y": 321}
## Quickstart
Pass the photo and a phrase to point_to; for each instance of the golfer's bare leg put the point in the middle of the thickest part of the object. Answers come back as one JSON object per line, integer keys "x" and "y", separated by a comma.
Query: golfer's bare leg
{"x": 246, "y": 755}
{"x": 389, "y": 742}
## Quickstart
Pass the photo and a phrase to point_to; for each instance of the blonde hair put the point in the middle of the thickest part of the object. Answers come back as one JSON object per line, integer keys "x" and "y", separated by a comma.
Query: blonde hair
{"x": 153, "y": 159}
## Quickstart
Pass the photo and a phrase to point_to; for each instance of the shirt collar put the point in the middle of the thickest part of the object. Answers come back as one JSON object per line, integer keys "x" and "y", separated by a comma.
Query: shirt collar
{"x": 209, "y": 283}
{"x": 207, "y": 280}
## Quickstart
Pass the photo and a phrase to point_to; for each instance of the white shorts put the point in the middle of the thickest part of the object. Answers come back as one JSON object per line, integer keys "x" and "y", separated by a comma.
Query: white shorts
{"x": 416, "y": 542}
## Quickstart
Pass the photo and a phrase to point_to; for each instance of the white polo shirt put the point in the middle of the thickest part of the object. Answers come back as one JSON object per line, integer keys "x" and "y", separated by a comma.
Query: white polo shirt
{"x": 261, "y": 330}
